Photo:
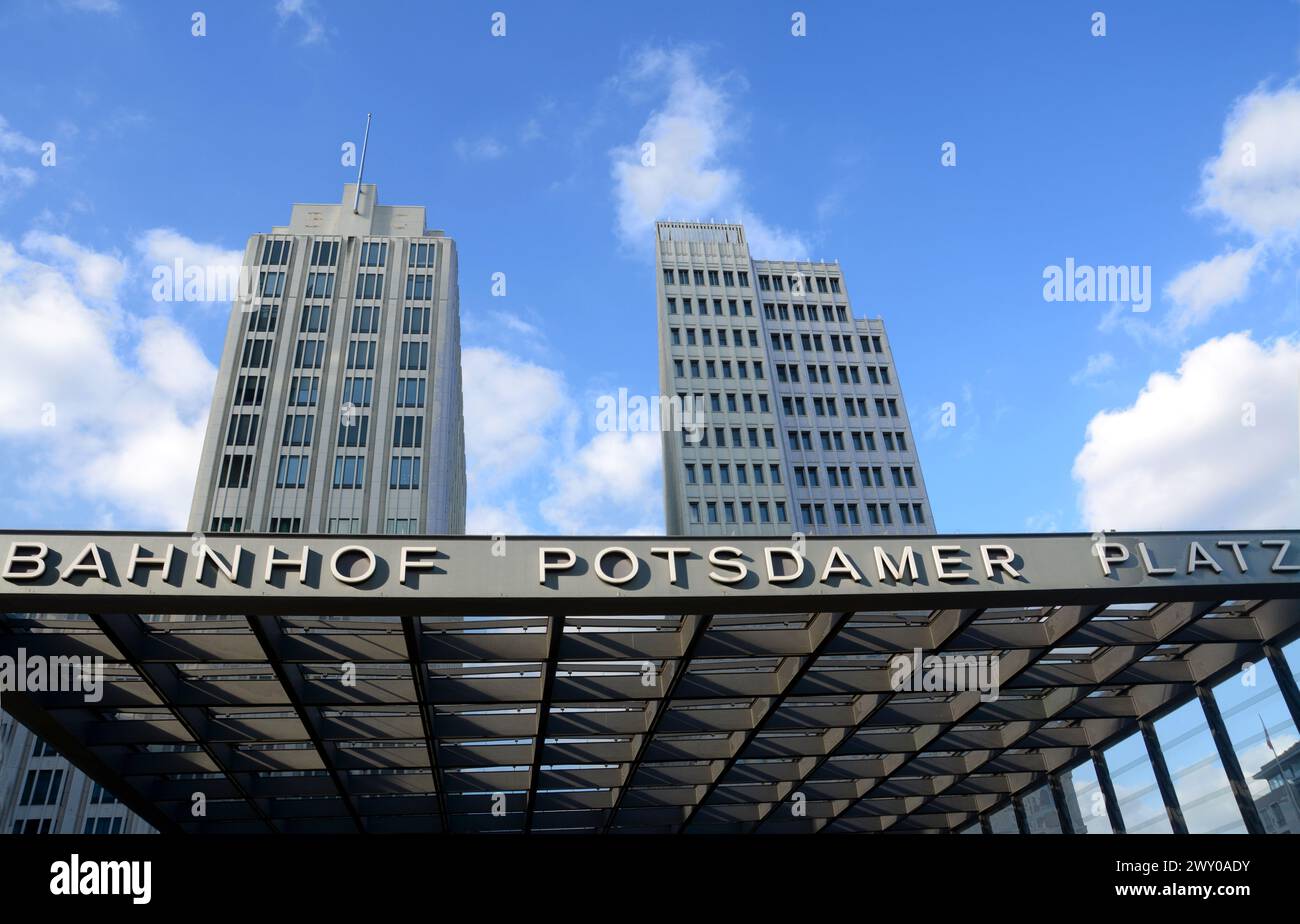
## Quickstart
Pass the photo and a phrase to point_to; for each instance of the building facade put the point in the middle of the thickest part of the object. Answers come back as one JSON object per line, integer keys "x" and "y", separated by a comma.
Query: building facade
{"x": 337, "y": 408}
{"x": 794, "y": 418}
{"x": 1279, "y": 808}
{"x": 42, "y": 793}
{"x": 338, "y": 402}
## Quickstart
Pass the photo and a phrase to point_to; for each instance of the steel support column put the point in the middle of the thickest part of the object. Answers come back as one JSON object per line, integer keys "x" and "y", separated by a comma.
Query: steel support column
{"x": 1163, "y": 779}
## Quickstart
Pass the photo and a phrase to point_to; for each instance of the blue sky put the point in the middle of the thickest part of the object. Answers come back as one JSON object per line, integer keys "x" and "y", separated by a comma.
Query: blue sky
{"x": 1119, "y": 149}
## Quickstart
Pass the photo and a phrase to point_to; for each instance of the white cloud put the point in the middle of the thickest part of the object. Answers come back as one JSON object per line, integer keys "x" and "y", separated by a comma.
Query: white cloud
{"x": 13, "y": 141}
{"x": 98, "y": 275}
{"x": 484, "y": 148}
{"x": 1263, "y": 197}
{"x": 611, "y": 477}
{"x": 164, "y": 245}
{"x": 104, "y": 407}
{"x": 304, "y": 11}
{"x": 210, "y": 270}
{"x": 1254, "y": 185}
{"x": 527, "y": 463}
{"x": 14, "y": 178}
{"x": 1094, "y": 368}
{"x": 1198, "y": 291}
{"x": 1212, "y": 446}
{"x": 489, "y": 520}
{"x": 511, "y": 411}
{"x": 688, "y": 178}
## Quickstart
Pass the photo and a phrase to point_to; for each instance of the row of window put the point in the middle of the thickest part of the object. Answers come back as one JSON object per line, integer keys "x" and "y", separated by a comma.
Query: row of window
{"x": 740, "y": 437}
{"x": 325, "y": 253}
{"x": 799, "y": 284}
{"x": 303, "y": 392}
{"x": 727, "y": 277}
{"x": 773, "y": 512}
{"x": 845, "y": 514}
{"x": 716, "y": 400}
{"x": 338, "y": 525}
{"x": 733, "y": 310}
{"x": 760, "y": 472}
{"x": 812, "y": 343}
{"x": 830, "y": 440}
{"x": 349, "y": 471}
{"x": 828, "y": 406}
{"x": 821, "y": 374}
{"x": 805, "y": 476}
{"x": 309, "y": 353}
{"x": 840, "y": 476}
{"x": 829, "y": 313}
{"x": 711, "y": 367}
{"x": 706, "y": 337}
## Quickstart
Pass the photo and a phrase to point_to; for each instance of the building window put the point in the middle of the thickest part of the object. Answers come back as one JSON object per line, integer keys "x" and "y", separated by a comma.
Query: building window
{"x": 270, "y": 285}
{"x": 249, "y": 389}
{"x": 291, "y": 471}
{"x": 421, "y": 255}
{"x": 361, "y": 354}
{"x": 263, "y": 319}
{"x": 309, "y": 354}
{"x": 235, "y": 471}
{"x": 354, "y": 430}
{"x": 410, "y": 392}
{"x": 419, "y": 287}
{"x": 415, "y": 320}
{"x": 103, "y": 826}
{"x": 414, "y": 356}
{"x": 373, "y": 253}
{"x": 370, "y": 285}
{"x": 297, "y": 429}
{"x": 357, "y": 390}
{"x": 276, "y": 253}
{"x": 42, "y": 787}
{"x": 404, "y": 472}
{"x": 319, "y": 285}
{"x": 365, "y": 319}
{"x": 349, "y": 471}
{"x": 324, "y": 253}
{"x": 242, "y": 430}
{"x": 303, "y": 391}
{"x": 408, "y": 431}
{"x": 34, "y": 826}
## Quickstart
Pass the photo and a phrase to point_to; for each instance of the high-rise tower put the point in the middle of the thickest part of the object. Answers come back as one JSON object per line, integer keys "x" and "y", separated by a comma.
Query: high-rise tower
{"x": 338, "y": 403}
{"x": 805, "y": 428}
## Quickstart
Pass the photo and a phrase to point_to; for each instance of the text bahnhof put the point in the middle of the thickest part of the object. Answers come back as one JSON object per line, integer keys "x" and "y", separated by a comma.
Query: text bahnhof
{"x": 358, "y": 565}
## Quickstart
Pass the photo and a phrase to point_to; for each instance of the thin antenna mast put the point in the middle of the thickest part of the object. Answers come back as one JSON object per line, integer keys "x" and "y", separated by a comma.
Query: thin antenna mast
{"x": 361, "y": 168}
